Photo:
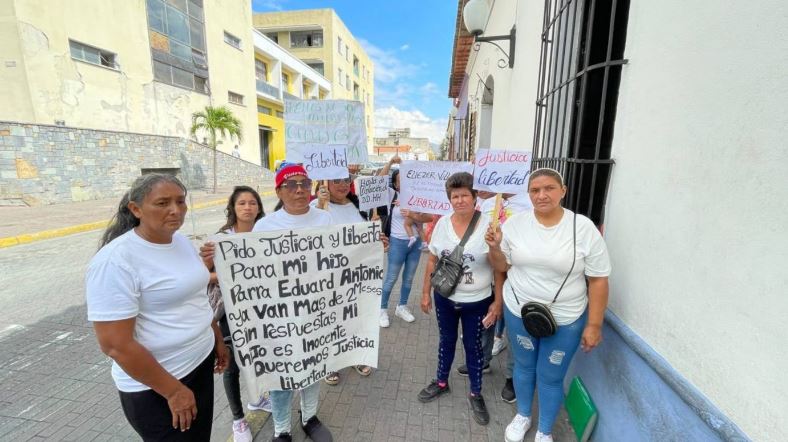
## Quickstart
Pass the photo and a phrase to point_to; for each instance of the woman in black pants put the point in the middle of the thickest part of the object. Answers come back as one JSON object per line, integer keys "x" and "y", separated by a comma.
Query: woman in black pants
{"x": 145, "y": 290}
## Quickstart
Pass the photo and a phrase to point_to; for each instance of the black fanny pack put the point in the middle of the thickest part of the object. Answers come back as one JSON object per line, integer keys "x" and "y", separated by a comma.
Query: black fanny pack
{"x": 537, "y": 318}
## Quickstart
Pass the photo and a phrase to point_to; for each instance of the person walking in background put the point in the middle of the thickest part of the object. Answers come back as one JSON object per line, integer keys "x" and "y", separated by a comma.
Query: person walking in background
{"x": 244, "y": 208}
{"x": 145, "y": 291}
{"x": 472, "y": 303}
{"x": 558, "y": 259}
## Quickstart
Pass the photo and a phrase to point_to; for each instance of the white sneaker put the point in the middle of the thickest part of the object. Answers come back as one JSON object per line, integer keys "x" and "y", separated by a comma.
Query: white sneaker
{"x": 515, "y": 431}
{"x": 404, "y": 313}
{"x": 264, "y": 404}
{"x": 498, "y": 345}
{"x": 384, "y": 318}
{"x": 541, "y": 437}
{"x": 241, "y": 431}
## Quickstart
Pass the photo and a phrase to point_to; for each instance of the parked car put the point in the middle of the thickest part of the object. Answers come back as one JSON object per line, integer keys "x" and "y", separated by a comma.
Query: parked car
{"x": 371, "y": 168}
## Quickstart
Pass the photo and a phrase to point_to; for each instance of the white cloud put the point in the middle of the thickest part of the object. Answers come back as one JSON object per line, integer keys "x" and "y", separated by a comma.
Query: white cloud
{"x": 268, "y": 5}
{"x": 428, "y": 89}
{"x": 404, "y": 47}
{"x": 388, "y": 67}
{"x": 421, "y": 126}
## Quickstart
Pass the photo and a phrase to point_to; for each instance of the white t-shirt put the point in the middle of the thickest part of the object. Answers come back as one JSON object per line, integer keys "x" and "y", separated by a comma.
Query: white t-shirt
{"x": 398, "y": 223}
{"x": 162, "y": 286}
{"x": 281, "y": 220}
{"x": 476, "y": 281}
{"x": 541, "y": 257}
{"x": 342, "y": 213}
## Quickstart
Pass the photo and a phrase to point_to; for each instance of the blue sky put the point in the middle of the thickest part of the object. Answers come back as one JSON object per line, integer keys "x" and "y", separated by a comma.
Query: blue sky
{"x": 410, "y": 43}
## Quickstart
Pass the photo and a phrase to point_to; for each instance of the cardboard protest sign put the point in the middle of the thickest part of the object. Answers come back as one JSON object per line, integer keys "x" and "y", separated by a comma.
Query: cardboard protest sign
{"x": 423, "y": 185}
{"x": 301, "y": 303}
{"x": 501, "y": 171}
{"x": 332, "y": 124}
{"x": 373, "y": 191}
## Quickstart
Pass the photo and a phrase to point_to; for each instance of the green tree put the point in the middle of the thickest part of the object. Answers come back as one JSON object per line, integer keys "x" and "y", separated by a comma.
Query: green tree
{"x": 216, "y": 121}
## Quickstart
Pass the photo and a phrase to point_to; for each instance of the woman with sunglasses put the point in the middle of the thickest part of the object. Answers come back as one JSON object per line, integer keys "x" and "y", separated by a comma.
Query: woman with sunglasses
{"x": 342, "y": 204}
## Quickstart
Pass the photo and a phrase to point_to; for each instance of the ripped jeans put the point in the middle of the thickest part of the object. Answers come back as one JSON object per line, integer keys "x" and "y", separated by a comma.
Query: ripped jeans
{"x": 542, "y": 363}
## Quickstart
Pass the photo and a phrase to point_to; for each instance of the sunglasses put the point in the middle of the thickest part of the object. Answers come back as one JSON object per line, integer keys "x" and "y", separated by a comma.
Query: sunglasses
{"x": 293, "y": 185}
{"x": 347, "y": 180}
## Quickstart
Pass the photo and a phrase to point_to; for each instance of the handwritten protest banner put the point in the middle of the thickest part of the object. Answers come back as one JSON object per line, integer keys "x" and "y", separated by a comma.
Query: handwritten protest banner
{"x": 423, "y": 185}
{"x": 373, "y": 191}
{"x": 322, "y": 163}
{"x": 332, "y": 124}
{"x": 301, "y": 303}
{"x": 501, "y": 171}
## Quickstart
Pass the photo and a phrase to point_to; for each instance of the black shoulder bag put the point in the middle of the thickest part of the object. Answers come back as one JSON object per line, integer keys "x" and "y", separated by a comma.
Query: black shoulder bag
{"x": 537, "y": 318}
{"x": 448, "y": 270}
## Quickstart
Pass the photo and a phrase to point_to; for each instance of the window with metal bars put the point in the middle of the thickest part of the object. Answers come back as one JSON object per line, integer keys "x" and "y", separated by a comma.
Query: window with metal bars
{"x": 579, "y": 74}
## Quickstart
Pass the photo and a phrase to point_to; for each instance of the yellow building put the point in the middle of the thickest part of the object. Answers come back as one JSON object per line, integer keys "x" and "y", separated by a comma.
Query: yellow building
{"x": 280, "y": 75}
{"x": 141, "y": 66}
{"x": 322, "y": 41}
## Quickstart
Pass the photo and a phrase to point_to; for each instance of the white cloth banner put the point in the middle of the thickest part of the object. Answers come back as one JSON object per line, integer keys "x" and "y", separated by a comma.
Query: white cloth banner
{"x": 333, "y": 124}
{"x": 301, "y": 303}
{"x": 423, "y": 185}
{"x": 501, "y": 171}
{"x": 373, "y": 191}
{"x": 321, "y": 162}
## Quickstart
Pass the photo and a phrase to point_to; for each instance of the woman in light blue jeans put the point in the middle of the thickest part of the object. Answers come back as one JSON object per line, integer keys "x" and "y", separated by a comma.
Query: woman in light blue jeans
{"x": 401, "y": 253}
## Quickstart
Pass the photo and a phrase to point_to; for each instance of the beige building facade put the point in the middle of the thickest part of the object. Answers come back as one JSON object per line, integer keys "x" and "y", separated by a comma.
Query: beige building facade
{"x": 323, "y": 42}
{"x": 72, "y": 64}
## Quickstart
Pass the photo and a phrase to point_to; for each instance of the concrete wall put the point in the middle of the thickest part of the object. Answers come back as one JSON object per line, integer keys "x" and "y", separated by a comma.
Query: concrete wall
{"x": 698, "y": 200}
{"x": 48, "y": 85}
{"x": 51, "y": 164}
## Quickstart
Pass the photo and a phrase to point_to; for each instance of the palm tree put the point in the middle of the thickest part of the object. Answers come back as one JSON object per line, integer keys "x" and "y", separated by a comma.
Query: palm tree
{"x": 216, "y": 121}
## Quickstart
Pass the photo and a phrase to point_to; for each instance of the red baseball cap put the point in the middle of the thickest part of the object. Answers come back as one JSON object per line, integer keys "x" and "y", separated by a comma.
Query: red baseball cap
{"x": 289, "y": 172}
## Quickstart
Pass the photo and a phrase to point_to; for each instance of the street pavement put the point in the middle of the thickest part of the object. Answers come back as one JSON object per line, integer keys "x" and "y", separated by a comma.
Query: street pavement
{"x": 55, "y": 384}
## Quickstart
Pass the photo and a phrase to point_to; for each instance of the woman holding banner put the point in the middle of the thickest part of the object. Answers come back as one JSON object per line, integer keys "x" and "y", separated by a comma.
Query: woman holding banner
{"x": 244, "y": 208}
{"x": 146, "y": 297}
{"x": 343, "y": 205}
{"x": 472, "y": 303}
{"x": 556, "y": 261}
{"x": 401, "y": 252}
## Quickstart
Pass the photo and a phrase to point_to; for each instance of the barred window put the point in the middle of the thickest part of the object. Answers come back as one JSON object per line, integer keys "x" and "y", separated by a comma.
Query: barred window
{"x": 579, "y": 74}
{"x": 235, "y": 98}
{"x": 92, "y": 54}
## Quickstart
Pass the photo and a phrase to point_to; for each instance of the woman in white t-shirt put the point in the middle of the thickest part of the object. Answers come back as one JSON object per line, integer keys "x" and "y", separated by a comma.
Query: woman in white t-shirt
{"x": 342, "y": 205}
{"x": 536, "y": 248}
{"x": 472, "y": 304}
{"x": 145, "y": 292}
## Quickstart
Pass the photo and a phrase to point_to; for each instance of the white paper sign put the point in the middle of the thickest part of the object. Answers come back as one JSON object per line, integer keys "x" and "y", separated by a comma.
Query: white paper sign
{"x": 501, "y": 171}
{"x": 333, "y": 124}
{"x": 321, "y": 162}
{"x": 372, "y": 191}
{"x": 423, "y": 185}
{"x": 301, "y": 303}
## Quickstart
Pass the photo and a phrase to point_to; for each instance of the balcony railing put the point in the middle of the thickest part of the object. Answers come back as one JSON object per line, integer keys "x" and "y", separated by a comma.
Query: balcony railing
{"x": 267, "y": 89}
{"x": 289, "y": 96}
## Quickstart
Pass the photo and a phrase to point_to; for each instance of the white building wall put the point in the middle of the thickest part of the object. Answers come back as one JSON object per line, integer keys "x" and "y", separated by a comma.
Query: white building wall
{"x": 696, "y": 215}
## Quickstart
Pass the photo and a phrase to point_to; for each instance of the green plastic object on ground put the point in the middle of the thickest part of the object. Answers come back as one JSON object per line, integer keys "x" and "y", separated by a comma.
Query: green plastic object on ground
{"x": 581, "y": 409}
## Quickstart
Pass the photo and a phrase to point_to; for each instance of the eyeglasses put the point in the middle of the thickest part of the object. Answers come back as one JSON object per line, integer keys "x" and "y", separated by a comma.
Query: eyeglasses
{"x": 347, "y": 180}
{"x": 293, "y": 185}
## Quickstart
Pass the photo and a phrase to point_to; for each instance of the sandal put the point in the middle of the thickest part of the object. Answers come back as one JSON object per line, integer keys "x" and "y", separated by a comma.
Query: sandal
{"x": 363, "y": 370}
{"x": 332, "y": 378}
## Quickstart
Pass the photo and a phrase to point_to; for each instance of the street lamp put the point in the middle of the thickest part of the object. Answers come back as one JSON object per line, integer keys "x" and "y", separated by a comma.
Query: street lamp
{"x": 475, "y": 14}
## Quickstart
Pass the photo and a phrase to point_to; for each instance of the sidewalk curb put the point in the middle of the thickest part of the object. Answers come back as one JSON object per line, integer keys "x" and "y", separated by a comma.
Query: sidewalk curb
{"x": 27, "y": 238}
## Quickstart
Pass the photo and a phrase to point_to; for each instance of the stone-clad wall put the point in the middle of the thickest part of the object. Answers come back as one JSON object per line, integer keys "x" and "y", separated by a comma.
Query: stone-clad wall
{"x": 51, "y": 164}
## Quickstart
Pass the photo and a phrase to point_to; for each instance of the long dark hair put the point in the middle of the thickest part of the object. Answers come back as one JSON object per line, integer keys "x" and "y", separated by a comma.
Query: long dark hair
{"x": 124, "y": 220}
{"x": 232, "y": 218}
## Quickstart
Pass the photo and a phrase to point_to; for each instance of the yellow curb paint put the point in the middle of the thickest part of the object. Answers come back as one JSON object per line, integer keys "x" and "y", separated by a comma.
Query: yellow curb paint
{"x": 56, "y": 233}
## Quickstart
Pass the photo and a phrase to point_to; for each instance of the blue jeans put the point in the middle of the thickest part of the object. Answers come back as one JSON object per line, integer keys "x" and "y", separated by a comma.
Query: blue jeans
{"x": 281, "y": 410}
{"x": 450, "y": 314}
{"x": 542, "y": 363}
{"x": 399, "y": 254}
